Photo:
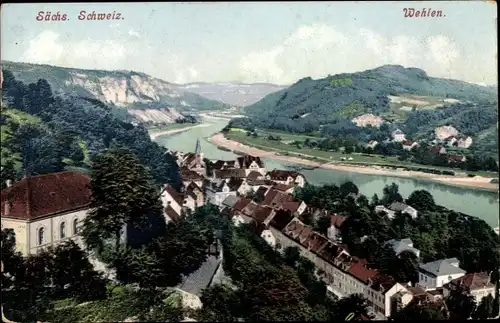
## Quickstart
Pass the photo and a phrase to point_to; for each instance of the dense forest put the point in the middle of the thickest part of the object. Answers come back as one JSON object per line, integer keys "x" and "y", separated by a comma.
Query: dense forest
{"x": 70, "y": 133}
{"x": 325, "y": 107}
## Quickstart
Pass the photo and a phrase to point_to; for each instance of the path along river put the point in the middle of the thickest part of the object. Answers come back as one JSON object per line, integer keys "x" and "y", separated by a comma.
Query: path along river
{"x": 482, "y": 204}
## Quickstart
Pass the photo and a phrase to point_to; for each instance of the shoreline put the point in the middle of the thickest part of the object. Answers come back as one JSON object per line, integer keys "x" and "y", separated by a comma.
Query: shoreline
{"x": 155, "y": 135}
{"x": 477, "y": 182}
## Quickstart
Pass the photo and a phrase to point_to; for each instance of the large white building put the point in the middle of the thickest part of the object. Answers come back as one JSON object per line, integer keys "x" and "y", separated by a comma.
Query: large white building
{"x": 45, "y": 210}
{"x": 435, "y": 274}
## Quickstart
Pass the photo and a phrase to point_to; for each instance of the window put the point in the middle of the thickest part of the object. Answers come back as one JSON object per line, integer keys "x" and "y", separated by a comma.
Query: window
{"x": 41, "y": 236}
{"x": 425, "y": 279}
{"x": 62, "y": 230}
{"x": 75, "y": 226}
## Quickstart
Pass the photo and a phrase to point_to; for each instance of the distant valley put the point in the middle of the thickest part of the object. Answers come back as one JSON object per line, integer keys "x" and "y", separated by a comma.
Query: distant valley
{"x": 232, "y": 93}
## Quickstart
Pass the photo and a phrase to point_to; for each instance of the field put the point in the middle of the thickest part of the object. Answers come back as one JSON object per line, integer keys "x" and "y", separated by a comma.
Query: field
{"x": 330, "y": 157}
{"x": 401, "y": 105}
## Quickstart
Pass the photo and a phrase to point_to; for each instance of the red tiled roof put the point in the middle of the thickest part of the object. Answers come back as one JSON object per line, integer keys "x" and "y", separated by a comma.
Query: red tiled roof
{"x": 250, "y": 209}
{"x": 193, "y": 187}
{"x": 282, "y": 187}
{"x": 174, "y": 194}
{"x": 170, "y": 212}
{"x": 275, "y": 198}
{"x": 316, "y": 242}
{"x": 294, "y": 228}
{"x": 282, "y": 175}
{"x": 45, "y": 195}
{"x": 408, "y": 143}
{"x": 240, "y": 205}
{"x": 189, "y": 175}
{"x": 291, "y": 206}
{"x": 382, "y": 283}
{"x": 261, "y": 213}
{"x": 337, "y": 220}
{"x": 471, "y": 282}
{"x": 260, "y": 182}
{"x": 253, "y": 175}
{"x": 281, "y": 219}
{"x": 359, "y": 270}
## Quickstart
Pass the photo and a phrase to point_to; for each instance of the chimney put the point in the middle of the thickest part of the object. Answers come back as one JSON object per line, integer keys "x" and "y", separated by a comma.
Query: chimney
{"x": 7, "y": 208}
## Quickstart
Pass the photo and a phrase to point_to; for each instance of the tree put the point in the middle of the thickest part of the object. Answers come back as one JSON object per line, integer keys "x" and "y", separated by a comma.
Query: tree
{"x": 391, "y": 194}
{"x": 291, "y": 255}
{"x": 322, "y": 225}
{"x": 12, "y": 260}
{"x": 460, "y": 304}
{"x": 347, "y": 188}
{"x": 416, "y": 312}
{"x": 485, "y": 309}
{"x": 421, "y": 200}
{"x": 355, "y": 304}
{"x": 220, "y": 304}
{"x": 122, "y": 195}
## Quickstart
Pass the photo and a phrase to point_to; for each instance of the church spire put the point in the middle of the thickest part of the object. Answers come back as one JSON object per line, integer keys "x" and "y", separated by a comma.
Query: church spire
{"x": 197, "y": 150}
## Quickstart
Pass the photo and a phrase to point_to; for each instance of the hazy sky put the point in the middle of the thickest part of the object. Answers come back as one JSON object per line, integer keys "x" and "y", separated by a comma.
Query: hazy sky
{"x": 258, "y": 42}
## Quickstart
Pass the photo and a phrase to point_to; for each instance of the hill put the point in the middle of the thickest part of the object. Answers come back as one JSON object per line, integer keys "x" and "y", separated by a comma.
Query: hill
{"x": 405, "y": 98}
{"x": 232, "y": 93}
{"x": 119, "y": 89}
{"x": 43, "y": 133}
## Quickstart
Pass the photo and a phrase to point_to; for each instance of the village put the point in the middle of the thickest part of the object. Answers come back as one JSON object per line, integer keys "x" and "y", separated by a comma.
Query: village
{"x": 48, "y": 209}
{"x": 246, "y": 192}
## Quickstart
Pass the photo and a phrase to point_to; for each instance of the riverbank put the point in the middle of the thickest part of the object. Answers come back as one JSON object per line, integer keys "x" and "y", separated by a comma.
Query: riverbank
{"x": 478, "y": 182}
{"x": 156, "y": 134}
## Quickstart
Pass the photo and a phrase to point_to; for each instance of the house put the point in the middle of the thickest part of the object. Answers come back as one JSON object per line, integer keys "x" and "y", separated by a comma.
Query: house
{"x": 194, "y": 196}
{"x": 464, "y": 142}
{"x": 403, "y": 208}
{"x": 398, "y": 136}
{"x": 408, "y": 144}
{"x": 229, "y": 202}
{"x": 188, "y": 176}
{"x": 46, "y": 209}
{"x": 478, "y": 285}
{"x": 396, "y": 207}
{"x": 455, "y": 159}
{"x": 194, "y": 161}
{"x": 173, "y": 202}
{"x": 403, "y": 245}
{"x": 438, "y": 150}
{"x": 344, "y": 274}
{"x": 223, "y": 164}
{"x": 250, "y": 164}
{"x": 228, "y": 173}
{"x": 372, "y": 144}
{"x": 244, "y": 187}
{"x": 254, "y": 175}
{"x": 218, "y": 190}
{"x": 286, "y": 177}
{"x": 283, "y": 201}
{"x": 284, "y": 188}
{"x": 435, "y": 274}
{"x": 333, "y": 232}
{"x": 451, "y": 141}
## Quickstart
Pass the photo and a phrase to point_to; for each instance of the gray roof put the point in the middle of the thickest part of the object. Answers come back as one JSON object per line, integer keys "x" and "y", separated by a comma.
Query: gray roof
{"x": 230, "y": 201}
{"x": 442, "y": 267}
{"x": 201, "y": 278}
{"x": 397, "y": 206}
{"x": 402, "y": 245}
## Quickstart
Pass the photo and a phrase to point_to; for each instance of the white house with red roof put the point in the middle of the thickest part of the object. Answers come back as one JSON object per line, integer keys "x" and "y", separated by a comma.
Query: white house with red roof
{"x": 45, "y": 210}
{"x": 286, "y": 177}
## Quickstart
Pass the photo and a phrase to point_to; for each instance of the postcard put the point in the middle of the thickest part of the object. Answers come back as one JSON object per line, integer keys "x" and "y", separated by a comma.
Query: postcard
{"x": 249, "y": 161}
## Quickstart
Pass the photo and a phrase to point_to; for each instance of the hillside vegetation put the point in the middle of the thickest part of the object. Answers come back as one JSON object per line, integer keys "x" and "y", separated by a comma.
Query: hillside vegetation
{"x": 43, "y": 133}
{"x": 120, "y": 89}
{"x": 406, "y": 97}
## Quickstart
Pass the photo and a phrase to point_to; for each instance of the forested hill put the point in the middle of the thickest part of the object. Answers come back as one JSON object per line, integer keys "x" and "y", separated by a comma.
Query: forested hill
{"x": 43, "y": 133}
{"x": 122, "y": 89}
{"x": 389, "y": 91}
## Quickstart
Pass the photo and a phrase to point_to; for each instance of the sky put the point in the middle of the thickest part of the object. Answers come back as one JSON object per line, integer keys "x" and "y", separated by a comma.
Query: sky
{"x": 275, "y": 42}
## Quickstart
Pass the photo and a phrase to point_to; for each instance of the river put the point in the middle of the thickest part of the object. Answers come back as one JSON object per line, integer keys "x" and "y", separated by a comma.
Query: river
{"x": 482, "y": 204}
